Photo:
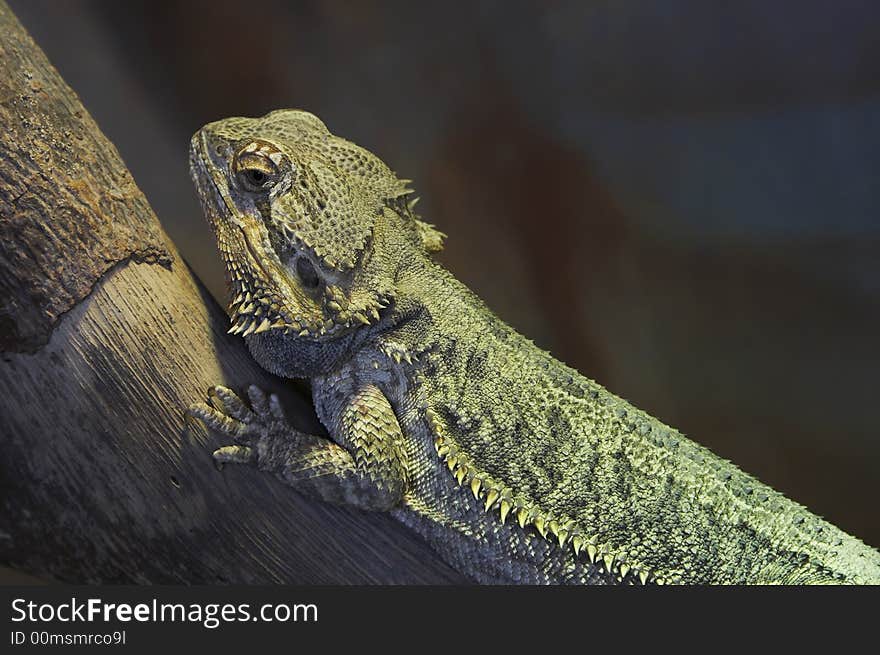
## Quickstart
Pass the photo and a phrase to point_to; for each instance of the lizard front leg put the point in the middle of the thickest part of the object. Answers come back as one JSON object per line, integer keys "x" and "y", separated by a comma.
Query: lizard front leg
{"x": 367, "y": 470}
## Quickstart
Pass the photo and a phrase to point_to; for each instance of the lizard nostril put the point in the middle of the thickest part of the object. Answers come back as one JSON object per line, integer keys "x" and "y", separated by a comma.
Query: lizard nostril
{"x": 307, "y": 273}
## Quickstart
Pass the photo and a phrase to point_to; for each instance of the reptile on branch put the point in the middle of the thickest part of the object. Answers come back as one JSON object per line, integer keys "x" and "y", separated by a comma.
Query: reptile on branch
{"x": 513, "y": 466}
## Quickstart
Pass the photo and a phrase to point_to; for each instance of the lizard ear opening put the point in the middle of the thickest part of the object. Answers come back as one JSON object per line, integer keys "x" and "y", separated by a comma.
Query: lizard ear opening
{"x": 432, "y": 238}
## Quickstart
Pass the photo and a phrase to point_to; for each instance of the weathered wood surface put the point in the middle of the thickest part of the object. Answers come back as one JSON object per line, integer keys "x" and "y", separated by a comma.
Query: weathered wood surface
{"x": 106, "y": 338}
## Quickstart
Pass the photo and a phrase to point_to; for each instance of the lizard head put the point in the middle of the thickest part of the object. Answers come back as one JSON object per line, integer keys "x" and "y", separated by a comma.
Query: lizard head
{"x": 303, "y": 221}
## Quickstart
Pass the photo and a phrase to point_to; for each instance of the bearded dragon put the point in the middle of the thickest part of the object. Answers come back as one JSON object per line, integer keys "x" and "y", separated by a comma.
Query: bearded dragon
{"x": 513, "y": 466}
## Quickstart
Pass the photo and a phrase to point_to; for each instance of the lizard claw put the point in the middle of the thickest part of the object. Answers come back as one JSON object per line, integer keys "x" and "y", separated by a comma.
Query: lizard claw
{"x": 234, "y": 455}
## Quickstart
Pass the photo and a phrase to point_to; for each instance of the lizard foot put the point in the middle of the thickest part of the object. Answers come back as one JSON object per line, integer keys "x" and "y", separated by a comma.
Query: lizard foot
{"x": 250, "y": 427}
{"x": 373, "y": 478}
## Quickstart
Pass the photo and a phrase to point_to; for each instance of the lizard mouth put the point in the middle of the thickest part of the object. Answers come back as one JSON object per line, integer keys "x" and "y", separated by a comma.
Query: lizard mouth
{"x": 253, "y": 256}
{"x": 261, "y": 298}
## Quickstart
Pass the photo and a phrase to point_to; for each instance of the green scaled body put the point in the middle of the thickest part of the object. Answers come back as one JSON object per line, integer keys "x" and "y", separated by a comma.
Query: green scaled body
{"x": 514, "y": 467}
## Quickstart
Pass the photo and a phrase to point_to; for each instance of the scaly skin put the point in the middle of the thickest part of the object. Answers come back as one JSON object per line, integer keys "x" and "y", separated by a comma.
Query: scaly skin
{"x": 514, "y": 467}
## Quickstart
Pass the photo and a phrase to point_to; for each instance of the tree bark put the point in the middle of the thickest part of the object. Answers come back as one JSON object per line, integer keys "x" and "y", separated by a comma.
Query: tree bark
{"x": 106, "y": 338}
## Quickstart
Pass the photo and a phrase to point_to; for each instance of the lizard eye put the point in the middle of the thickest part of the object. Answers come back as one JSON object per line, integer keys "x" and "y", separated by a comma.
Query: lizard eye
{"x": 258, "y": 166}
{"x": 254, "y": 177}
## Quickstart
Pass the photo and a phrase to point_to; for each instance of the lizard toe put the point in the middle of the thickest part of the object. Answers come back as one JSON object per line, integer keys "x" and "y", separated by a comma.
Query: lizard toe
{"x": 219, "y": 422}
{"x": 227, "y": 401}
{"x": 259, "y": 401}
{"x": 275, "y": 409}
{"x": 234, "y": 455}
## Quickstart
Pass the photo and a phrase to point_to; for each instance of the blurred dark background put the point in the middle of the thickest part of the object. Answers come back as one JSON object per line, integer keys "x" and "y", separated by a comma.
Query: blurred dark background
{"x": 677, "y": 198}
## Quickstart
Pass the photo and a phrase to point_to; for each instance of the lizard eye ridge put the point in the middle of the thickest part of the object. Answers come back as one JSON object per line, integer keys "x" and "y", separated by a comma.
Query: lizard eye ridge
{"x": 257, "y": 166}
